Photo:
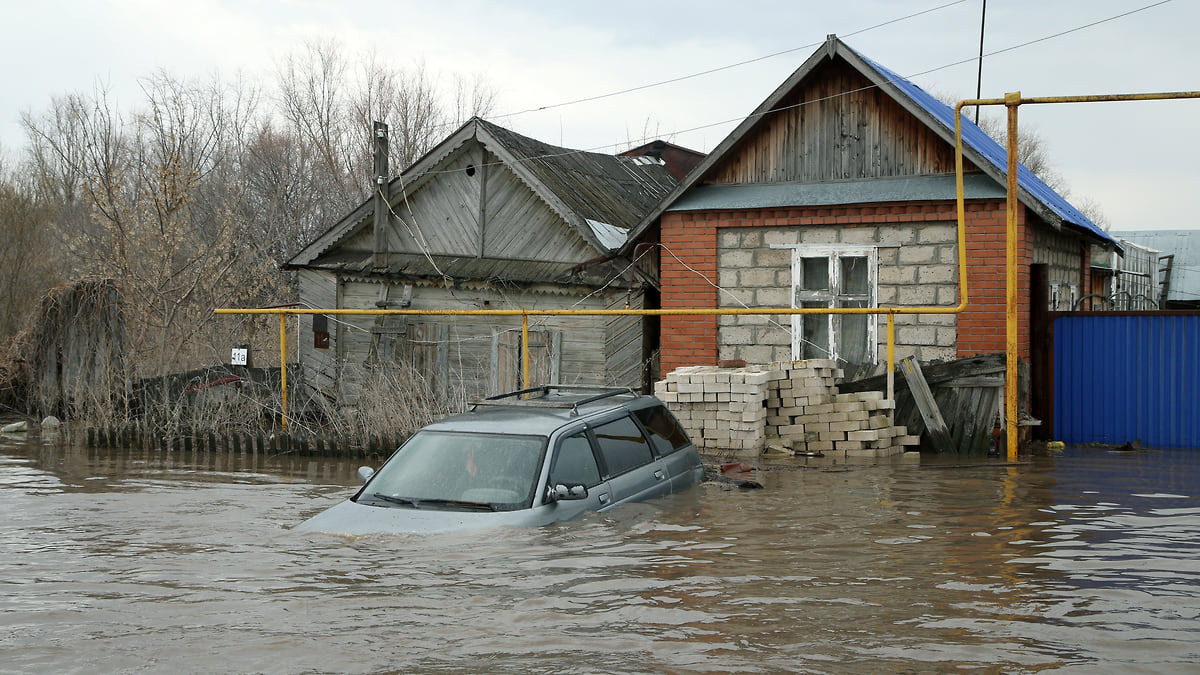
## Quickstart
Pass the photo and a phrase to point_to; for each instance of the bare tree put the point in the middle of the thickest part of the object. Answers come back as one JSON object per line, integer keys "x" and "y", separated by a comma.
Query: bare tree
{"x": 1031, "y": 149}
{"x": 150, "y": 210}
{"x": 194, "y": 197}
{"x": 330, "y": 103}
{"x": 1033, "y": 152}
{"x": 27, "y": 252}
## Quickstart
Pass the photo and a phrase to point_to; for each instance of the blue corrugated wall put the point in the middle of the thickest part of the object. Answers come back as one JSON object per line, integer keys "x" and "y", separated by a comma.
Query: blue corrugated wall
{"x": 1127, "y": 377}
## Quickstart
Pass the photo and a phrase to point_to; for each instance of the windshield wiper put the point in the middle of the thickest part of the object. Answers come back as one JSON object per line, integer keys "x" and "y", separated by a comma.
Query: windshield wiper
{"x": 407, "y": 501}
{"x": 417, "y": 502}
{"x": 479, "y": 506}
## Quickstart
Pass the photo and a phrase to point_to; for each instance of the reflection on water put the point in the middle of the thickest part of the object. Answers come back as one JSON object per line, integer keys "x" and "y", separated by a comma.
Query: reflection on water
{"x": 149, "y": 561}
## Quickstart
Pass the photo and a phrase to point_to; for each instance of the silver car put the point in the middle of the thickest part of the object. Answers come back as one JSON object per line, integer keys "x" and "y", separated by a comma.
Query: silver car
{"x": 525, "y": 458}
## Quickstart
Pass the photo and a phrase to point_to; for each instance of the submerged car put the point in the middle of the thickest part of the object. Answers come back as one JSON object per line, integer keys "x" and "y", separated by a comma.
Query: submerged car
{"x": 525, "y": 458}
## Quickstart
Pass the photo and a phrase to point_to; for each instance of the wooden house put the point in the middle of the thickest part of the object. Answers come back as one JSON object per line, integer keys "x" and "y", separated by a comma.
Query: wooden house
{"x": 839, "y": 191}
{"x": 488, "y": 219}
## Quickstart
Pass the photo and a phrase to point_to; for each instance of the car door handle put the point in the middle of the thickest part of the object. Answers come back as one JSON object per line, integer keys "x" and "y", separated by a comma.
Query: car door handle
{"x": 659, "y": 475}
{"x": 603, "y": 496}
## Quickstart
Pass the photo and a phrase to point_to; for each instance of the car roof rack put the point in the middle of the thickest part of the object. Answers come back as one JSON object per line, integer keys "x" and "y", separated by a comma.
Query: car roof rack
{"x": 521, "y": 396}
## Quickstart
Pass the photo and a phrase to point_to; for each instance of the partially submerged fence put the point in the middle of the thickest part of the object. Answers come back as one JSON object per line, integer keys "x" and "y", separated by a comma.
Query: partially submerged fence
{"x": 145, "y": 437}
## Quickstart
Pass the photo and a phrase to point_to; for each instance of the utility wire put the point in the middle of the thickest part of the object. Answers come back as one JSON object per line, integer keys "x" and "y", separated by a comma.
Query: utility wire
{"x": 710, "y": 125}
{"x": 718, "y": 69}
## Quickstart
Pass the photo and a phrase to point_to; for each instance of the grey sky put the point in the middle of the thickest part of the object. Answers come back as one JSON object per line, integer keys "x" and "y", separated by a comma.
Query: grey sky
{"x": 1134, "y": 159}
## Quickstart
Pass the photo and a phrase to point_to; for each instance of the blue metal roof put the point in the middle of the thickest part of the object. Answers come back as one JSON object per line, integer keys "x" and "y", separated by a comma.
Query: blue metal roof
{"x": 986, "y": 146}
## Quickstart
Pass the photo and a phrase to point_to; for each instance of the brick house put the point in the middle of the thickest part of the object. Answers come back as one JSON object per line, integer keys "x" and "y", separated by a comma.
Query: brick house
{"x": 839, "y": 191}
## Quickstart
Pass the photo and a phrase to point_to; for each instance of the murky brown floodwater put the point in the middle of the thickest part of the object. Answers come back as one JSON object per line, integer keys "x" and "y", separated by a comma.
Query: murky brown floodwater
{"x": 134, "y": 561}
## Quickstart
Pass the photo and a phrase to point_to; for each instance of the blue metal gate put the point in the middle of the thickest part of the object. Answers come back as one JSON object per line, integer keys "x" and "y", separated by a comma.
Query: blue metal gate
{"x": 1124, "y": 377}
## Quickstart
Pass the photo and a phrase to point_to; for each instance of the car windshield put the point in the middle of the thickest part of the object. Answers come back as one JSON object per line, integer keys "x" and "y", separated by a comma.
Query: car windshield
{"x": 439, "y": 469}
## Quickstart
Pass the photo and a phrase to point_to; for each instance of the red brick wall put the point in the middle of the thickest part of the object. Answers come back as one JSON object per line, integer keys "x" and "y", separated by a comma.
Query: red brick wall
{"x": 982, "y": 327}
{"x": 690, "y": 240}
{"x": 689, "y": 269}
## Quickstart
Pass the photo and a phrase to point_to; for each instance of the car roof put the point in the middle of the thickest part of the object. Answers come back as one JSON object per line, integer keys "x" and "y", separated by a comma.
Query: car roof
{"x": 539, "y": 416}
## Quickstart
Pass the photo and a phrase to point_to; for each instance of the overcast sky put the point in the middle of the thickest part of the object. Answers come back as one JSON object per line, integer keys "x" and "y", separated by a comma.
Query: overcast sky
{"x": 1136, "y": 160}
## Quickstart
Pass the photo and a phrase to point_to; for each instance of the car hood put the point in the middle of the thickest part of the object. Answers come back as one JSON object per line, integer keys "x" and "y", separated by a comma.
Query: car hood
{"x": 354, "y": 518}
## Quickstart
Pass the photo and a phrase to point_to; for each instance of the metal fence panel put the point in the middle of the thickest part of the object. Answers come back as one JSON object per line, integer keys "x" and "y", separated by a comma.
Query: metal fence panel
{"x": 1127, "y": 378}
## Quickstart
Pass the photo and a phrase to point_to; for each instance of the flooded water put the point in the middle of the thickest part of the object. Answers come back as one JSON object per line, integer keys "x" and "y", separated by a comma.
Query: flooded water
{"x": 137, "y": 561}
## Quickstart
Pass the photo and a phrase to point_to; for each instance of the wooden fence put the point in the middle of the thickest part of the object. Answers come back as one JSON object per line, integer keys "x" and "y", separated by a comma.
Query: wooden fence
{"x": 134, "y": 436}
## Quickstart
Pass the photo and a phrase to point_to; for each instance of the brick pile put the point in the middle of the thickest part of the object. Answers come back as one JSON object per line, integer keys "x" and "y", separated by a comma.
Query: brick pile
{"x": 807, "y": 415}
{"x": 792, "y": 405}
{"x": 720, "y": 408}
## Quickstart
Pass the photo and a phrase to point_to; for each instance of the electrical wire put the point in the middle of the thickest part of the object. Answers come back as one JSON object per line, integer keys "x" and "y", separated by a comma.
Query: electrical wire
{"x": 710, "y": 125}
{"x": 682, "y": 78}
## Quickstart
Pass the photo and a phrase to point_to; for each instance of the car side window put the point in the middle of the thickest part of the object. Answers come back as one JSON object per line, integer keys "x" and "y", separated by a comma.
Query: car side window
{"x": 663, "y": 428}
{"x": 622, "y": 446}
{"x": 575, "y": 462}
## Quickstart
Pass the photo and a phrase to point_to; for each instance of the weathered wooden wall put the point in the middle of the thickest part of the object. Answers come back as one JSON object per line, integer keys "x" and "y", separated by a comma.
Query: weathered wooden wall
{"x": 318, "y": 289}
{"x": 479, "y": 208}
{"x": 472, "y": 356}
{"x": 839, "y": 126}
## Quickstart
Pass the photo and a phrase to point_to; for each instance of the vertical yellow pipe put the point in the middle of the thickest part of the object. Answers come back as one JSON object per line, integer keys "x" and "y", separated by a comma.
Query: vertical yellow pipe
{"x": 1012, "y": 101}
{"x": 524, "y": 351}
{"x": 891, "y": 364}
{"x": 283, "y": 366}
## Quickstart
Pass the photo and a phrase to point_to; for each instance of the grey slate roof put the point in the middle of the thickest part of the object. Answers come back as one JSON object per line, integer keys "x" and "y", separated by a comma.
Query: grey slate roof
{"x": 607, "y": 189}
{"x": 599, "y": 196}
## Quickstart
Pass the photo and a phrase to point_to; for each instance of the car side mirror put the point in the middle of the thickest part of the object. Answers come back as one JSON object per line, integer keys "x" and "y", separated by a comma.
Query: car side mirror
{"x": 566, "y": 492}
{"x": 365, "y": 473}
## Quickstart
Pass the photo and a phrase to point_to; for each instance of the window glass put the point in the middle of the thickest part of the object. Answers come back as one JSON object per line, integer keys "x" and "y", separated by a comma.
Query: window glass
{"x": 854, "y": 276}
{"x": 623, "y": 446}
{"x": 499, "y": 469}
{"x": 814, "y": 274}
{"x": 575, "y": 462}
{"x": 839, "y": 276}
{"x": 852, "y": 344}
{"x": 665, "y": 433}
{"x": 814, "y": 333}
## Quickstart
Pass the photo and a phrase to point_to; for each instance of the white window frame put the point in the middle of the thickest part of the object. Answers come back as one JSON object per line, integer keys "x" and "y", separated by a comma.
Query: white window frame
{"x": 835, "y": 252}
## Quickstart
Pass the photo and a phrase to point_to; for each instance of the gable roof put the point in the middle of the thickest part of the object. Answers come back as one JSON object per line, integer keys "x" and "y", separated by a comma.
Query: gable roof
{"x": 601, "y": 197}
{"x": 978, "y": 147}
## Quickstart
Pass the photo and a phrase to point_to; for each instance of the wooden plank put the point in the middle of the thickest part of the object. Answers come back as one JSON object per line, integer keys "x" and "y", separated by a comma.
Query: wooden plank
{"x": 934, "y": 424}
{"x": 936, "y": 373}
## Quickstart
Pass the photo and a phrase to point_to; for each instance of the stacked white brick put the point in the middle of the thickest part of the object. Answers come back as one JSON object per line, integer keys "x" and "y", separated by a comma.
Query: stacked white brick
{"x": 720, "y": 408}
{"x": 796, "y": 403}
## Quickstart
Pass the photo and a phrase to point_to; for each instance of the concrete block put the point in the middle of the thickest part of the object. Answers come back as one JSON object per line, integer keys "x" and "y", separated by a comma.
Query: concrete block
{"x": 864, "y": 436}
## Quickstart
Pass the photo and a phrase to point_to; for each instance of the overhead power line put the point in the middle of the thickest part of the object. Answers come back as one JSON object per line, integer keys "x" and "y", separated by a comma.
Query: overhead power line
{"x": 588, "y": 99}
{"x": 710, "y": 125}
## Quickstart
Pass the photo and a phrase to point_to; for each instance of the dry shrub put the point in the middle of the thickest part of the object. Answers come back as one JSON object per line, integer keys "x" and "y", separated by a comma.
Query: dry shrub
{"x": 76, "y": 364}
{"x": 395, "y": 400}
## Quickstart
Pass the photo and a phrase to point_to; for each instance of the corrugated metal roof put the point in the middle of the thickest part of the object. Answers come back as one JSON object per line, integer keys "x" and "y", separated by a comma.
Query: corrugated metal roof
{"x": 1185, "y": 268}
{"x": 990, "y": 150}
{"x": 875, "y": 191}
{"x": 978, "y": 147}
